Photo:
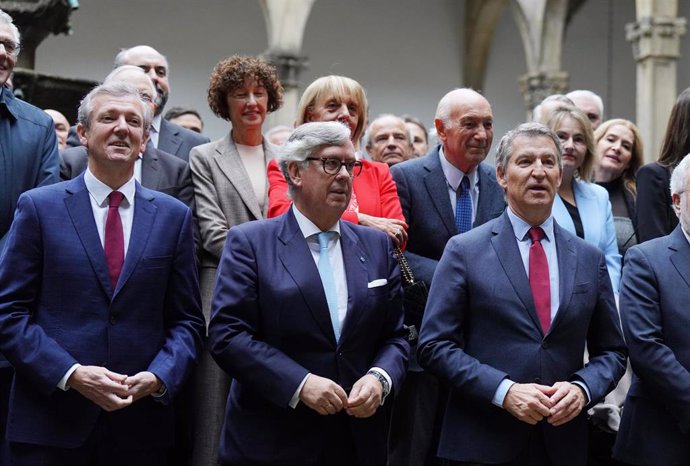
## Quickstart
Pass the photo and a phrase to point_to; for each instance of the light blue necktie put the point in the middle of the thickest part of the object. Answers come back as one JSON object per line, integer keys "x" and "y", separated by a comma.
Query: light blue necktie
{"x": 326, "y": 273}
{"x": 463, "y": 206}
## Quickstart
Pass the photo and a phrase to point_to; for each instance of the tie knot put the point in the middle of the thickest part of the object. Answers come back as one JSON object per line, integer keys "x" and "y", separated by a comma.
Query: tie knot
{"x": 464, "y": 185}
{"x": 536, "y": 234}
{"x": 115, "y": 199}
{"x": 324, "y": 237}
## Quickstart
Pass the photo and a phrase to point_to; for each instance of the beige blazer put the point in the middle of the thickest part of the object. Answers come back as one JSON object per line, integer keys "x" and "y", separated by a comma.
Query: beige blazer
{"x": 223, "y": 193}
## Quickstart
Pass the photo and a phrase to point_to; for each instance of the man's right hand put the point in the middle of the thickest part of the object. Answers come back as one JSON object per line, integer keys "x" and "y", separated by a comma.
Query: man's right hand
{"x": 323, "y": 395}
{"x": 530, "y": 402}
{"x": 105, "y": 388}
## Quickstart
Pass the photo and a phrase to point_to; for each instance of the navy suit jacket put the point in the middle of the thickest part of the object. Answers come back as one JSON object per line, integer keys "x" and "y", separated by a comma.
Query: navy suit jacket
{"x": 58, "y": 308}
{"x": 481, "y": 327}
{"x": 160, "y": 171}
{"x": 270, "y": 327}
{"x": 423, "y": 193}
{"x": 655, "y": 300}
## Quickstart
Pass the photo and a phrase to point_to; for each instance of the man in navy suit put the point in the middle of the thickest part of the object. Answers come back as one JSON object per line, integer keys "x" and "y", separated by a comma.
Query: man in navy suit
{"x": 655, "y": 292}
{"x": 512, "y": 306}
{"x": 307, "y": 319}
{"x": 99, "y": 303}
{"x": 429, "y": 189}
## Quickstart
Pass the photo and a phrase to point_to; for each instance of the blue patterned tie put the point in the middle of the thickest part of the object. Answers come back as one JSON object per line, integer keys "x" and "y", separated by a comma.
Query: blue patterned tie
{"x": 326, "y": 274}
{"x": 463, "y": 206}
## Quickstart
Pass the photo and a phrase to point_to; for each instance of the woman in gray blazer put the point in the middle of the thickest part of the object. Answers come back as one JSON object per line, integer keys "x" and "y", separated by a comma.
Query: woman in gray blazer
{"x": 230, "y": 188}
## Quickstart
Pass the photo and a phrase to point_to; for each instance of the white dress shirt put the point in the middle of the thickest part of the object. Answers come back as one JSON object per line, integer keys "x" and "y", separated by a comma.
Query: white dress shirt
{"x": 453, "y": 178}
{"x": 155, "y": 130}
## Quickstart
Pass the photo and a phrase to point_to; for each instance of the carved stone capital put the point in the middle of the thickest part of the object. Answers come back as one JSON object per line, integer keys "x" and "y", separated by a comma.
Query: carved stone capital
{"x": 289, "y": 66}
{"x": 655, "y": 37}
{"x": 535, "y": 87}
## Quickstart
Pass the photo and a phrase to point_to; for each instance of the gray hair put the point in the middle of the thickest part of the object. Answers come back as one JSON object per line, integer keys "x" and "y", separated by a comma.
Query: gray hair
{"x": 309, "y": 138}
{"x": 366, "y": 139}
{"x": 116, "y": 89}
{"x": 588, "y": 94}
{"x": 565, "y": 100}
{"x": 112, "y": 76}
{"x": 7, "y": 19}
{"x": 679, "y": 177}
{"x": 530, "y": 130}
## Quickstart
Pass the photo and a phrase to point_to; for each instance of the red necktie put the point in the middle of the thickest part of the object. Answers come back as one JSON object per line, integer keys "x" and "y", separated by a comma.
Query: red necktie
{"x": 539, "y": 278}
{"x": 114, "y": 243}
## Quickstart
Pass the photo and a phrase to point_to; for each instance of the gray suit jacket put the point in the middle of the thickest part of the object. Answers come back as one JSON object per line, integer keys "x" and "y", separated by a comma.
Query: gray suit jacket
{"x": 425, "y": 203}
{"x": 223, "y": 193}
{"x": 160, "y": 171}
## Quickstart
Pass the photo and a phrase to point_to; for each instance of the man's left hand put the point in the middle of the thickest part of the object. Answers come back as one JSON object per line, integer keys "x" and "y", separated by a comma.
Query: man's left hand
{"x": 142, "y": 384}
{"x": 569, "y": 400}
{"x": 365, "y": 397}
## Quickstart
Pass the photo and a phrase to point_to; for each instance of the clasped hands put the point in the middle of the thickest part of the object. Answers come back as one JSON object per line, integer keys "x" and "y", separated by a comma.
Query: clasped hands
{"x": 110, "y": 390}
{"x": 558, "y": 404}
{"x": 327, "y": 397}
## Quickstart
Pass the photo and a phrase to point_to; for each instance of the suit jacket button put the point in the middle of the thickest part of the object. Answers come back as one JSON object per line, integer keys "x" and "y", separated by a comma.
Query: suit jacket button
{"x": 537, "y": 380}
{"x": 112, "y": 320}
{"x": 545, "y": 345}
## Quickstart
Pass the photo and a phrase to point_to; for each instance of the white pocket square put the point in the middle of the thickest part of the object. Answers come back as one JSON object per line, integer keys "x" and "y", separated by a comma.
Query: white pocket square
{"x": 375, "y": 283}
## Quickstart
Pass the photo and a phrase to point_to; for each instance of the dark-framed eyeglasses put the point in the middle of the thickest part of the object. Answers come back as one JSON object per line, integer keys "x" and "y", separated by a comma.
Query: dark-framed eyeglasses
{"x": 11, "y": 46}
{"x": 332, "y": 166}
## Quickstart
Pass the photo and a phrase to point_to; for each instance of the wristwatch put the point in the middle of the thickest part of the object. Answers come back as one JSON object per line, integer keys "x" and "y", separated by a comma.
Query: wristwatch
{"x": 382, "y": 380}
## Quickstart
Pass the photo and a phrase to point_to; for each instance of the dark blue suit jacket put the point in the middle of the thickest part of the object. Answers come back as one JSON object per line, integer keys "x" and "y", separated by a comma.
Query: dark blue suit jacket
{"x": 423, "y": 193}
{"x": 481, "y": 327}
{"x": 58, "y": 308}
{"x": 270, "y": 327}
{"x": 655, "y": 309}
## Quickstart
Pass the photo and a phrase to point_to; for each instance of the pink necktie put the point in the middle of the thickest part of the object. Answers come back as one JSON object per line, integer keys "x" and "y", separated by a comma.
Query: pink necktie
{"x": 114, "y": 238}
{"x": 539, "y": 278}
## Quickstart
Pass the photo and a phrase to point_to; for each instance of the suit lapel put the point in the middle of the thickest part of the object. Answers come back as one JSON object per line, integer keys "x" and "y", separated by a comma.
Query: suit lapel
{"x": 299, "y": 264}
{"x": 437, "y": 187}
{"x": 681, "y": 257}
{"x": 150, "y": 169}
{"x": 79, "y": 209}
{"x": 142, "y": 223}
{"x": 490, "y": 203}
{"x": 508, "y": 253}
{"x": 168, "y": 140}
{"x": 355, "y": 262}
{"x": 567, "y": 268}
{"x": 229, "y": 162}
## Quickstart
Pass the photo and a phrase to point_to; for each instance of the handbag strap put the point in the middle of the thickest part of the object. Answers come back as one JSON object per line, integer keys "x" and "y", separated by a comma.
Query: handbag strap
{"x": 405, "y": 270}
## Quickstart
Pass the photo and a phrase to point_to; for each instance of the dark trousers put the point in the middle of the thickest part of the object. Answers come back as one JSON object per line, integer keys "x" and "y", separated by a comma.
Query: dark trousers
{"x": 415, "y": 421}
{"x": 6, "y": 374}
{"x": 98, "y": 450}
{"x": 534, "y": 454}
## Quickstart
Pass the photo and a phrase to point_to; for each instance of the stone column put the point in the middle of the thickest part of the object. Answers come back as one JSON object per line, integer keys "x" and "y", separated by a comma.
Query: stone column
{"x": 542, "y": 26}
{"x": 655, "y": 38}
{"x": 285, "y": 24}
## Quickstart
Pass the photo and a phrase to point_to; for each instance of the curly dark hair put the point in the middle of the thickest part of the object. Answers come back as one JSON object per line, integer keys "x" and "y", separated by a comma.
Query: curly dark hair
{"x": 230, "y": 73}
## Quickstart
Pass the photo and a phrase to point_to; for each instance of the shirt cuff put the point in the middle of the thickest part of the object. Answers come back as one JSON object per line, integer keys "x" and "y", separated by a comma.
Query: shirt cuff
{"x": 294, "y": 401}
{"x": 501, "y": 392}
{"x": 388, "y": 379}
{"x": 62, "y": 384}
{"x": 583, "y": 386}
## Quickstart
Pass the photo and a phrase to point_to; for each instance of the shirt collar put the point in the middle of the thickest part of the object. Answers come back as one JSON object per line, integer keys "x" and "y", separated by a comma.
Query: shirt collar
{"x": 156, "y": 124}
{"x": 520, "y": 227}
{"x": 453, "y": 174}
{"x": 100, "y": 191}
{"x": 307, "y": 227}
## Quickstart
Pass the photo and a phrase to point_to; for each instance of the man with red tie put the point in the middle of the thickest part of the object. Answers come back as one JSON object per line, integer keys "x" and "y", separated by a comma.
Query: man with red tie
{"x": 99, "y": 303}
{"x": 512, "y": 306}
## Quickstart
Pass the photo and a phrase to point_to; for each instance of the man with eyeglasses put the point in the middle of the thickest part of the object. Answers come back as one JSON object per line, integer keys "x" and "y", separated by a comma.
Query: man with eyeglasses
{"x": 307, "y": 318}
{"x": 28, "y": 158}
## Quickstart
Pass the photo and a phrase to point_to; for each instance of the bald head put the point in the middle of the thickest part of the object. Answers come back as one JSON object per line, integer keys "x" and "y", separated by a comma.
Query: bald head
{"x": 464, "y": 124}
{"x": 389, "y": 140}
{"x": 154, "y": 64}
{"x": 61, "y": 127}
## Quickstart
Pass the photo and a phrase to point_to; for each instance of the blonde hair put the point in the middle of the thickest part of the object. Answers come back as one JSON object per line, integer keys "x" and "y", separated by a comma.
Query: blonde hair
{"x": 334, "y": 86}
{"x": 636, "y": 153}
{"x": 586, "y": 171}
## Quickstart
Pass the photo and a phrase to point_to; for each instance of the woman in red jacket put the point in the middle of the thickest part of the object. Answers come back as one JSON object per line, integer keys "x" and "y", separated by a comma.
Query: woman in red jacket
{"x": 374, "y": 201}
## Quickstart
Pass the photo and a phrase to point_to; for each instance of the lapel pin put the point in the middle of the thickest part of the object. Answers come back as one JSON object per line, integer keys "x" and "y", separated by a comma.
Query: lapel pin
{"x": 362, "y": 259}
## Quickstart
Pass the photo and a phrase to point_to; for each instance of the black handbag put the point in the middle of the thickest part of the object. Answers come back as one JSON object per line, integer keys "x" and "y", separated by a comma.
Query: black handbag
{"x": 415, "y": 294}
